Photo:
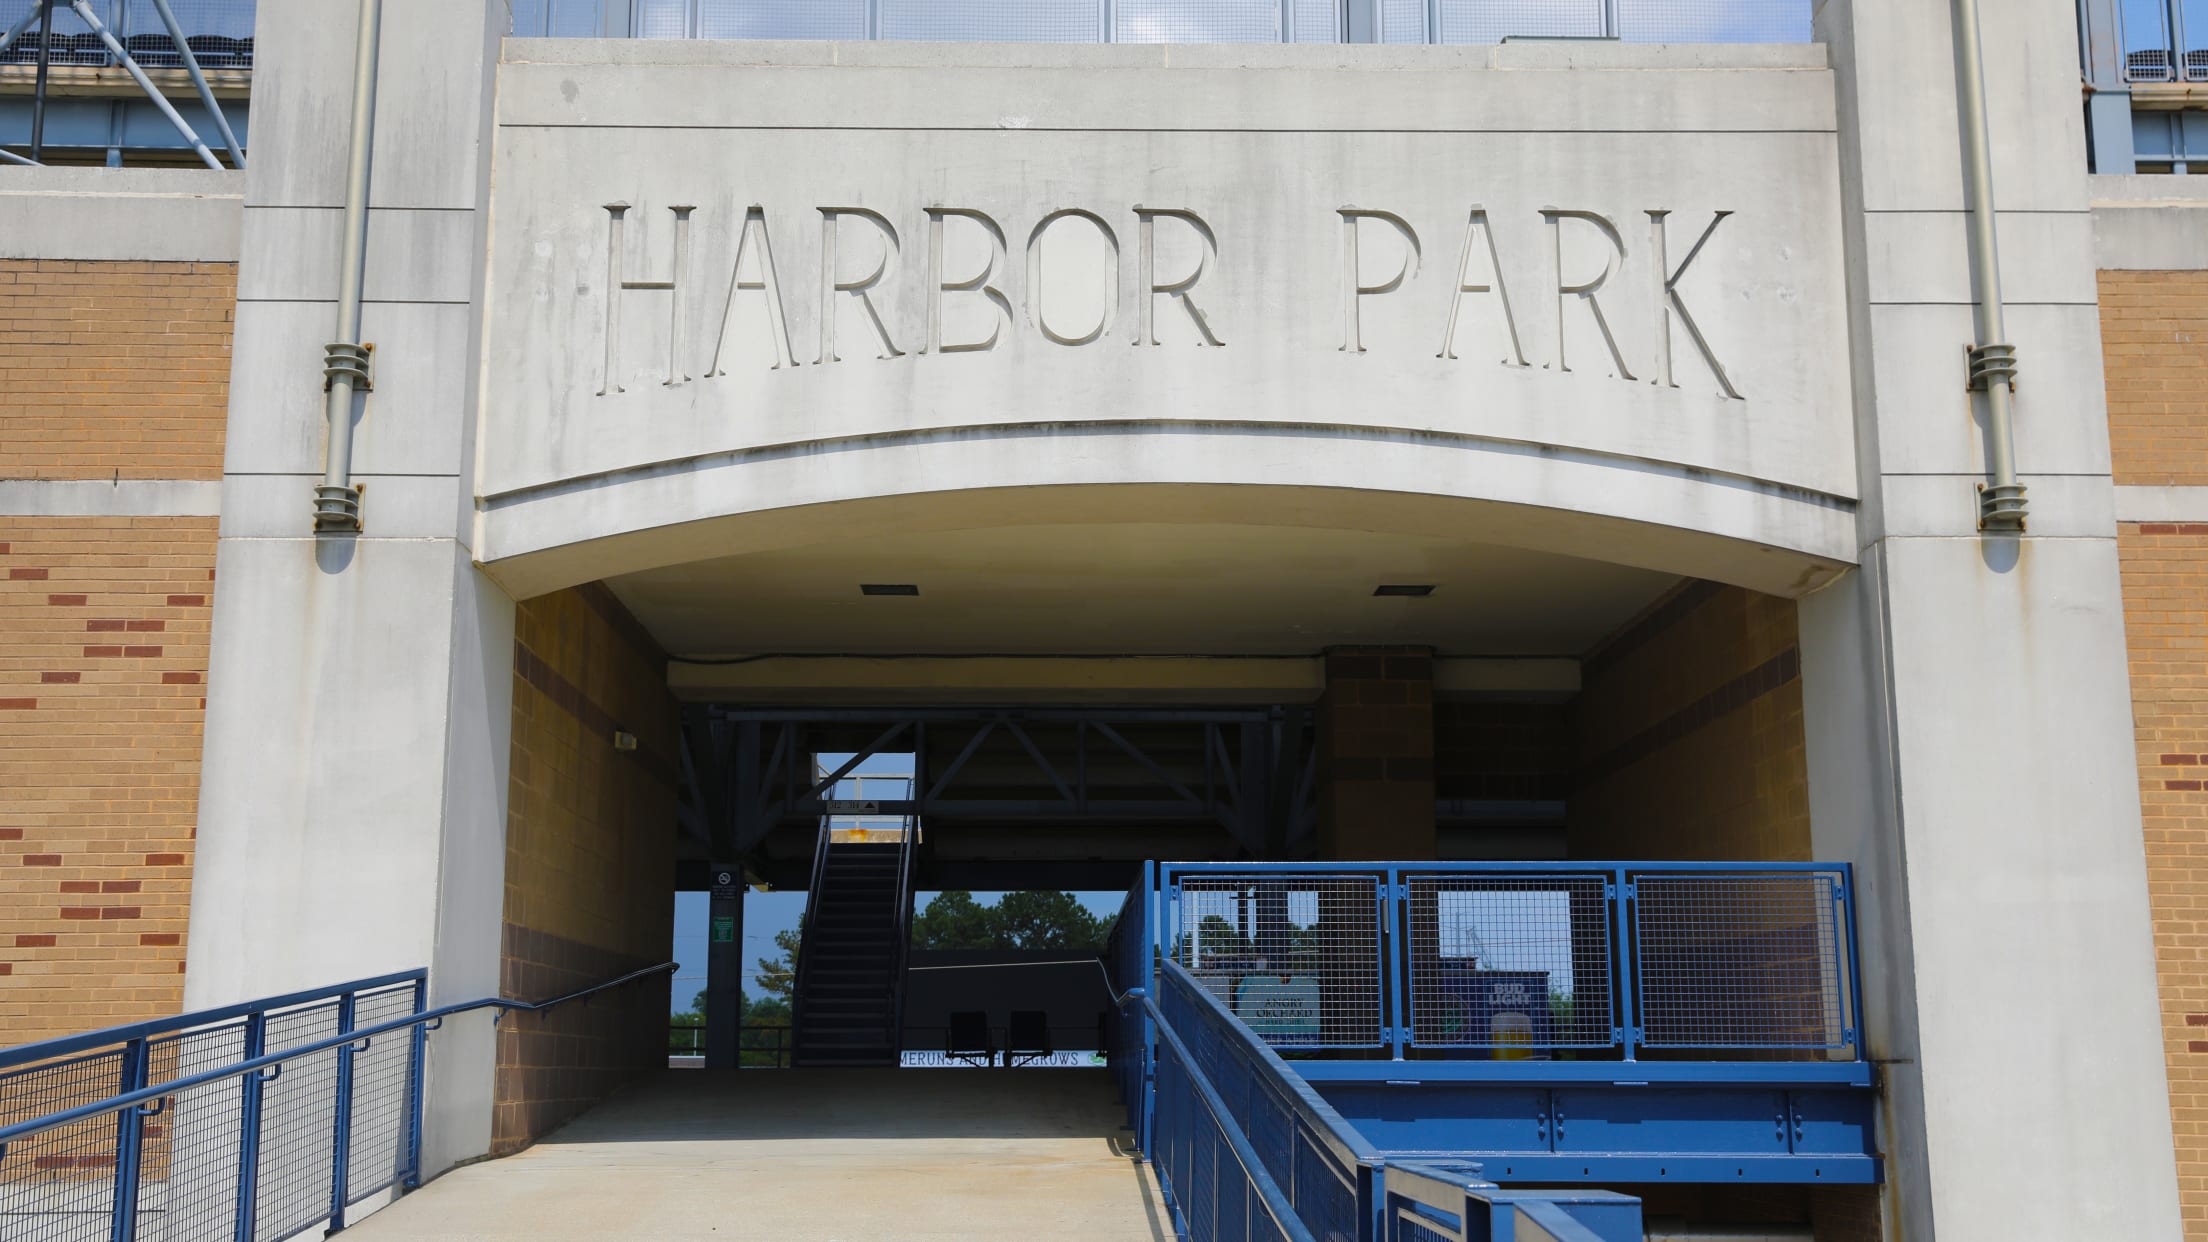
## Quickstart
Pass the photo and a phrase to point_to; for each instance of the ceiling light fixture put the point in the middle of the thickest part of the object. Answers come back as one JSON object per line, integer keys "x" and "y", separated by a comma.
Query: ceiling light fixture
{"x": 888, "y": 588}
{"x": 1417, "y": 590}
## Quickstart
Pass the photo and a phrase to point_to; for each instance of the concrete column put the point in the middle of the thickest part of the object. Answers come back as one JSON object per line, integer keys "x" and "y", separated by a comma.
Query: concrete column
{"x": 359, "y": 700}
{"x": 1966, "y": 697}
{"x": 1376, "y": 754}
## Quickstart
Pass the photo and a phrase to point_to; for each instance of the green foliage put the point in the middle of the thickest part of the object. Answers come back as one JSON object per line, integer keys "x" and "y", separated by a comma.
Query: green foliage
{"x": 778, "y": 975}
{"x": 1021, "y": 920}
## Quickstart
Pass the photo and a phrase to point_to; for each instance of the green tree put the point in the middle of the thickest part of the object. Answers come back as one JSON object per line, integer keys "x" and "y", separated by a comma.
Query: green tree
{"x": 1037, "y": 919}
{"x": 778, "y": 975}
{"x": 954, "y": 920}
{"x": 1048, "y": 920}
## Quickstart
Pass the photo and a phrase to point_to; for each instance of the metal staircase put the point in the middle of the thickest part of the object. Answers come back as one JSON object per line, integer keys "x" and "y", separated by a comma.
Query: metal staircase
{"x": 851, "y": 962}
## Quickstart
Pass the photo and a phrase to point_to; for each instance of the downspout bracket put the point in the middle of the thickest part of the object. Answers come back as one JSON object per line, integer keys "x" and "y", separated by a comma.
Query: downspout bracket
{"x": 336, "y": 510}
{"x": 2001, "y": 507}
{"x": 1992, "y": 364}
{"x": 356, "y": 363}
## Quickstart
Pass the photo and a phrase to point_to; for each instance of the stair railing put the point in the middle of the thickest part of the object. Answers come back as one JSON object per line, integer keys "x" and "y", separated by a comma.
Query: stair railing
{"x": 809, "y": 924}
{"x": 907, "y": 852}
{"x": 190, "y": 1125}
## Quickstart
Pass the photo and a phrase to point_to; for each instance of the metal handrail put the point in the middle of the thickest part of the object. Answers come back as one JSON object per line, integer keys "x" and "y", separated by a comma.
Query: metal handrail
{"x": 1277, "y": 1205}
{"x": 905, "y": 851}
{"x": 46, "y": 1050}
{"x": 360, "y": 1037}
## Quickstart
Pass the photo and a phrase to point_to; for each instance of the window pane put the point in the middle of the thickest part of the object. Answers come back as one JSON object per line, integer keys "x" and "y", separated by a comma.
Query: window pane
{"x": 1198, "y": 21}
{"x": 1025, "y": 21}
{"x": 782, "y": 19}
{"x": 1714, "y": 21}
{"x": 1492, "y": 21}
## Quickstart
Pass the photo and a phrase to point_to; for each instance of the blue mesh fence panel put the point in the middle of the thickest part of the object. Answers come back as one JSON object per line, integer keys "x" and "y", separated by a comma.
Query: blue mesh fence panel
{"x": 1197, "y": 21}
{"x": 1296, "y": 957}
{"x": 1741, "y": 961}
{"x": 1492, "y": 21}
{"x": 376, "y": 1155}
{"x": 1027, "y": 21}
{"x": 59, "y": 1186}
{"x": 1714, "y": 21}
{"x": 298, "y": 1124}
{"x": 73, "y": 41}
{"x": 1318, "y": 21}
{"x": 188, "y": 1166}
{"x": 782, "y": 19}
{"x": 1518, "y": 963}
{"x": 220, "y": 33}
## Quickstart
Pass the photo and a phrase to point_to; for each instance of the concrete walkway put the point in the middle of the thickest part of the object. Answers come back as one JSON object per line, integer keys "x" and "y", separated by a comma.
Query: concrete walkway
{"x": 812, "y": 1156}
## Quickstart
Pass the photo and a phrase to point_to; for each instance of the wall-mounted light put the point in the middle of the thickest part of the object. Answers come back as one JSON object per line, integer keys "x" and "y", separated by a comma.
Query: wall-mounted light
{"x": 623, "y": 740}
{"x": 1415, "y": 590}
{"x": 888, "y": 588}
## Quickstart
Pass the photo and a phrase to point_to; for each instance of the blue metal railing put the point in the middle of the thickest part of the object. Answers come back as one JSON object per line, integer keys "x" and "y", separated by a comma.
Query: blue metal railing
{"x": 252, "y": 1121}
{"x": 1508, "y": 961}
{"x": 1245, "y": 1149}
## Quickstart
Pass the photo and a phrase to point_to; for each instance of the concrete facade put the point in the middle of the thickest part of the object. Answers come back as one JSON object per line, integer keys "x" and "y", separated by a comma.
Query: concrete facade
{"x": 687, "y": 316}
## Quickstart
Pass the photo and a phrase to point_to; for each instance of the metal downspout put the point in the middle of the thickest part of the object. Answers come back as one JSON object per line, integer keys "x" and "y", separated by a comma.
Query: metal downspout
{"x": 345, "y": 361}
{"x": 1992, "y": 369}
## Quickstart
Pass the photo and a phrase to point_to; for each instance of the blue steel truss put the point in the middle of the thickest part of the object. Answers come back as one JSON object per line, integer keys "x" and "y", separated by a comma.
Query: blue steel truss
{"x": 1590, "y": 1023}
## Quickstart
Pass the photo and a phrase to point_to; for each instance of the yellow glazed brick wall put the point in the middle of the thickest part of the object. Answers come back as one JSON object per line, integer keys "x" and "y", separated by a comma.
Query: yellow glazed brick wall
{"x": 1688, "y": 734}
{"x": 111, "y": 369}
{"x": 2165, "y": 568}
{"x": 590, "y": 844}
{"x": 2154, "y": 342}
{"x": 2154, "y": 336}
{"x": 103, "y": 658}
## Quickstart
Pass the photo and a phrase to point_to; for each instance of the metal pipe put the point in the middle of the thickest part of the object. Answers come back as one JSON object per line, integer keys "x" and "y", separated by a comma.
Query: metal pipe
{"x": 199, "y": 81}
{"x": 115, "y": 47}
{"x": 1992, "y": 364}
{"x": 13, "y": 158}
{"x": 345, "y": 361}
{"x": 38, "y": 91}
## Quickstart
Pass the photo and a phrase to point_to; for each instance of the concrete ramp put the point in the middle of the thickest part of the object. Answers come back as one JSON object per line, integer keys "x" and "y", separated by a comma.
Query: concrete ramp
{"x": 804, "y": 1155}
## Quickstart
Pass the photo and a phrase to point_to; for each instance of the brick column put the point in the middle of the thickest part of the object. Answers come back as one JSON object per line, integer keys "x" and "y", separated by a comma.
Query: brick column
{"x": 1376, "y": 754}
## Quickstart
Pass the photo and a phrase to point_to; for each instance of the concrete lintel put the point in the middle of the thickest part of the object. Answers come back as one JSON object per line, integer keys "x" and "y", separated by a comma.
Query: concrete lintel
{"x": 105, "y": 498}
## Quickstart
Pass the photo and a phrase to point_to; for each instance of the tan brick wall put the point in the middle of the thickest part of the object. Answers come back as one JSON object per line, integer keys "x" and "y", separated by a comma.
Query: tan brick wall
{"x": 103, "y": 656}
{"x": 112, "y": 369}
{"x": 2165, "y": 574}
{"x": 1688, "y": 734}
{"x": 2154, "y": 340}
{"x": 590, "y": 839}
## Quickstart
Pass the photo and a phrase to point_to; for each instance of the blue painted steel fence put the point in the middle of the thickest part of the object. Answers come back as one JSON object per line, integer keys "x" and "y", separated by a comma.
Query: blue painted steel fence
{"x": 1542, "y": 1023}
{"x": 254, "y": 1121}
{"x": 1508, "y": 961}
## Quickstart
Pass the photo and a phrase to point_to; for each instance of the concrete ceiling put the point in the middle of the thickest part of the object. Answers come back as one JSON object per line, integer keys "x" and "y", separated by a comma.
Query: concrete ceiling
{"x": 1138, "y": 588}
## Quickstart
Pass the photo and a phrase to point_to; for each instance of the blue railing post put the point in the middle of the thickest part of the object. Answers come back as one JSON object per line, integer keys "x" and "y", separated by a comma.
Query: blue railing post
{"x": 1395, "y": 949}
{"x": 342, "y": 1141}
{"x": 1628, "y": 967}
{"x": 130, "y": 1129}
{"x": 1153, "y": 895}
{"x": 249, "y": 1128}
{"x": 416, "y": 1066}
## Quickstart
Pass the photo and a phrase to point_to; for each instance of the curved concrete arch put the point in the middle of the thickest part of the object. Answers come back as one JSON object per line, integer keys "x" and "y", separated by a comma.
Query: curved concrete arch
{"x": 1623, "y": 510}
